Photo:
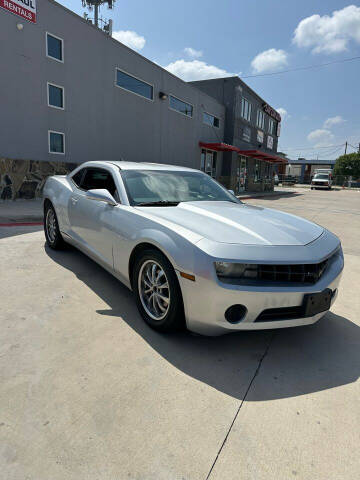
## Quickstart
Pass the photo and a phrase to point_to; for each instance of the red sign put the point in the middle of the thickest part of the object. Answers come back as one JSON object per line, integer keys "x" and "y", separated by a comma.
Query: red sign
{"x": 270, "y": 111}
{"x": 23, "y": 8}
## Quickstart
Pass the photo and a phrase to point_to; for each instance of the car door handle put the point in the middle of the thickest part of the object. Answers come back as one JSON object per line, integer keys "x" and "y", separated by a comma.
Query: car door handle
{"x": 74, "y": 200}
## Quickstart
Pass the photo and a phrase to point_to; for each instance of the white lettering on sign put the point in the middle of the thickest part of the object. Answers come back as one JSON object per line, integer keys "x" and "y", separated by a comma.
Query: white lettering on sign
{"x": 23, "y": 8}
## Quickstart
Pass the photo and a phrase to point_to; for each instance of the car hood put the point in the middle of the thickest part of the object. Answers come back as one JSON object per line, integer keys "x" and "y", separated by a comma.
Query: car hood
{"x": 233, "y": 223}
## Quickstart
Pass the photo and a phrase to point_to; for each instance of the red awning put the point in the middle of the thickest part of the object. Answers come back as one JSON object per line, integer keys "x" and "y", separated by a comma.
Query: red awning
{"x": 224, "y": 147}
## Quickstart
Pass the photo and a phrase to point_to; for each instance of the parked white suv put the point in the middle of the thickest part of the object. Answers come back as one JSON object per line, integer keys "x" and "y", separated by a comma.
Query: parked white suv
{"x": 321, "y": 180}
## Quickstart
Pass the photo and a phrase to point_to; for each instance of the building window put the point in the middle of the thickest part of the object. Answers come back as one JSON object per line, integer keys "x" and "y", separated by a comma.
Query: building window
{"x": 246, "y": 109}
{"x": 211, "y": 120}
{"x": 257, "y": 177}
{"x": 55, "y": 96}
{"x": 134, "y": 85}
{"x": 54, "y": 47}
{"x": 180, "y": 106}
{"x": 271, "y": 126}
{"x": 56, "y": 142}
{"x": 260, "y": 119}
{"x": 268, "y": 168}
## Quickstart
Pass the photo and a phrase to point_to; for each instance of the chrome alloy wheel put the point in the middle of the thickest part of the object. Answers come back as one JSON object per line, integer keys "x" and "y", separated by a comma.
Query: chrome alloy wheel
{"x": 154, "y": 290}
{"x": 51, "y": 225}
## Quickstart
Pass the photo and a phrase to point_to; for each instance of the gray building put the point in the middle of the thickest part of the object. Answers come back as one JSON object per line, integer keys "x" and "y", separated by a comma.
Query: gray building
{"x": 69, "y": 93}
{"x": 251, "y": 134}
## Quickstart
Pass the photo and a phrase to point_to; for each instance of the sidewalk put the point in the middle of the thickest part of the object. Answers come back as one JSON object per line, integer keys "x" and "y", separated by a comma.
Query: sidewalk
{"x": 277, "y": 192}
{"x": 21, "y": 212}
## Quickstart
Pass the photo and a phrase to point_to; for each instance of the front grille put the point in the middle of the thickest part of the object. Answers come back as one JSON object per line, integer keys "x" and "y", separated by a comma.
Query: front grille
{"x": 308, "y": 273}
{"x": 276, "y": 314}
{"x": 320, "y": 183}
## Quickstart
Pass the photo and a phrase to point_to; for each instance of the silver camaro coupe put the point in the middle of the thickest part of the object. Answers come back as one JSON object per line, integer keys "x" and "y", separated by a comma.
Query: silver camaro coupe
{"x": 191, "y": 252}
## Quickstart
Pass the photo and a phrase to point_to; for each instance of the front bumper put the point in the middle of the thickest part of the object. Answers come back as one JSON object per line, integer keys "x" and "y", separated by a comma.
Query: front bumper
{"x": 207, "y": 300}
{"x": 325, "y": 186}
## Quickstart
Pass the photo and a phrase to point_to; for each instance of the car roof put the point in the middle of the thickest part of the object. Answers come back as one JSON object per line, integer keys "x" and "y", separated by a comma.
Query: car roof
{"x": 123, "y": 165}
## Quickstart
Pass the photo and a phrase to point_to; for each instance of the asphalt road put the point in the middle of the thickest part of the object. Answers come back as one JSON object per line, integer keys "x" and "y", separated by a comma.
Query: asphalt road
{"x": 88, "y": 392}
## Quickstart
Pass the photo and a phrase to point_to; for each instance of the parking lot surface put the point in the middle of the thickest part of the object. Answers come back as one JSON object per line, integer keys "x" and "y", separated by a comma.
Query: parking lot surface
{"x": 88, "y": 391}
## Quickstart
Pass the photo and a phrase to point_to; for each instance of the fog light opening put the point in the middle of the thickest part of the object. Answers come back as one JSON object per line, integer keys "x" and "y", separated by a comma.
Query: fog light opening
{"x": 235, "y": 313}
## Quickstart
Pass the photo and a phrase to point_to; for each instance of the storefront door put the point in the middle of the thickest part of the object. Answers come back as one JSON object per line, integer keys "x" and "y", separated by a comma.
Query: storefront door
{"x": 240, "y": 175}
{"x": 208, "y": 162}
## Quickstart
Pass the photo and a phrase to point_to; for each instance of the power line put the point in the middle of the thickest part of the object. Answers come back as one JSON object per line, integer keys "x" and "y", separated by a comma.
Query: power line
{"x": 296, "y": 69}
{"x": 309, "y": 148}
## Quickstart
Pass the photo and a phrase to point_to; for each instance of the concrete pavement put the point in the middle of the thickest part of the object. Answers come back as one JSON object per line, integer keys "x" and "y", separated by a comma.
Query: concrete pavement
{"x": 88, "y": 391}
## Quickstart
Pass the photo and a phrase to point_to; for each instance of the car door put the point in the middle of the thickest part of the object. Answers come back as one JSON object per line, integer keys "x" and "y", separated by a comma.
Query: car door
{"x": 90, "y": 220}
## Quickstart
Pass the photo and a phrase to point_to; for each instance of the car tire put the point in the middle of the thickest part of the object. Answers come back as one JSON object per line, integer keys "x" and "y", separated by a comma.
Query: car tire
{"x": 161, "y": 307}
{"x": 51, "y": 228}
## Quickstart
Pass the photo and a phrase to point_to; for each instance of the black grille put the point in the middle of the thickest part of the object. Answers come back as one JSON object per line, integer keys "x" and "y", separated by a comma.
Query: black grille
{"x": 308, "y": 273}
{"x": 276, "y": 314}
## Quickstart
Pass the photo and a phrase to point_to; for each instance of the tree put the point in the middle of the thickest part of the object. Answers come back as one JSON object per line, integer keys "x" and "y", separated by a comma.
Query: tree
{"x": 348, "y": 165}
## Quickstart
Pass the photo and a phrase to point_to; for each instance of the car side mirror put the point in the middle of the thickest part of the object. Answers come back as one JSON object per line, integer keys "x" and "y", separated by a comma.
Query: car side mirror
{"x": 232, "y": 192}
{"x": 101, "y": 195}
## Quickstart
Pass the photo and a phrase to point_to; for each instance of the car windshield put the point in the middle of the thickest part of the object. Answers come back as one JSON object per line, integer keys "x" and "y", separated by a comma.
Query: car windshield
{"x": 162, "y": 187}
{"x": 321, "y": 176}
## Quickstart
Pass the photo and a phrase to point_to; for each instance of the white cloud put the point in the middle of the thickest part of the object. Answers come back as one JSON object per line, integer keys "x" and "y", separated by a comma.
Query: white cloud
{"x": 196, "y": 70}
{"x": 284, "y": 114}
{"x": 131, "y": 39}
{"x": 268, "y": 60}
{"x": 191, "y": 52}
{"x": 330, "y": 122}
{"x": 329, "y": 33}
{"x": 320, "y": 137}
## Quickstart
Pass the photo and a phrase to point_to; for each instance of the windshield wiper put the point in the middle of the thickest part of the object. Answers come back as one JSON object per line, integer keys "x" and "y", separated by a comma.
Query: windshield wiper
{"x": 160, "y": 203}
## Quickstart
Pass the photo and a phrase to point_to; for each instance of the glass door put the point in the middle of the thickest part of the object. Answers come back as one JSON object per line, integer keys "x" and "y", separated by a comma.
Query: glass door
{"x": 240, "y": 175}
{"x": 208, "y": 162}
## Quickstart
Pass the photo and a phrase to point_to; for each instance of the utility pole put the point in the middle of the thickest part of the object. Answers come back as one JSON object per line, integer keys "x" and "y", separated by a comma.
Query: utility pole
{"x": 346, "y": 147}
{"x": 96, "y": 14}
{"x": 95, "y": 4}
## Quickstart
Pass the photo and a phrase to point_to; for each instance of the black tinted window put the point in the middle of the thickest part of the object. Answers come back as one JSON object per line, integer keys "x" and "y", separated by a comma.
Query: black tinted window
{"x": 134, "y": 85}
{"x": 54, "y": 47}
{"x": 78, "y": 176}
{"x": 181, "y": 106}
{"x": 56, "y": 96}
{"x": 97, "y": 178}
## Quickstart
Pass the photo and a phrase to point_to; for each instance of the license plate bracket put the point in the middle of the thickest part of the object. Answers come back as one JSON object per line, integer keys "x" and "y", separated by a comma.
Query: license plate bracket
{"x": 315, "y": 303}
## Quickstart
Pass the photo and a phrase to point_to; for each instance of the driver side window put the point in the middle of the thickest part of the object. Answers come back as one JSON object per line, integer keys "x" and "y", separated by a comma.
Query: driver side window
{"x": 97, "y": 178}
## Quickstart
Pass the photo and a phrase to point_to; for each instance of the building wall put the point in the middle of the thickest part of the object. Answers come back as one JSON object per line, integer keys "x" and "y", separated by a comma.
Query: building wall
{"x": 230, "y": 92}
{"x": 100, "y": 120}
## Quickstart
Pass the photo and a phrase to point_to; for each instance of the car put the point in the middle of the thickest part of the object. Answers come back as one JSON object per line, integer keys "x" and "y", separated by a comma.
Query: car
{"x": 193, "y": 254}
{"x": 289, "y": 180}
{"x": 321, "y": 180}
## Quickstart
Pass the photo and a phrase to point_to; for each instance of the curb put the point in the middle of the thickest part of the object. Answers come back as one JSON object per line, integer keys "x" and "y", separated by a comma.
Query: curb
{"x": 21, "y": 224}
{"x": 277, "y": 194}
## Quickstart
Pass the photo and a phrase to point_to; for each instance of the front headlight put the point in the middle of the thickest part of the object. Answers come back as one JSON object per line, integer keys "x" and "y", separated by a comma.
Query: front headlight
{"x": 236, "y": 270}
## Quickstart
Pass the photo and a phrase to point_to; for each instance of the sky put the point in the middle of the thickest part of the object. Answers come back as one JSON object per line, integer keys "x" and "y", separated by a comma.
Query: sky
{"x": 211, "y": 38}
